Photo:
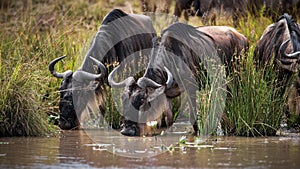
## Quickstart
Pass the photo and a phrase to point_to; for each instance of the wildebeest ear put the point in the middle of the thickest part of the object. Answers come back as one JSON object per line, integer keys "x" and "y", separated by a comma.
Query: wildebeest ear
{"x": 173, "y": 91}
{"x": 68, "y": 74}
{"x": 156, "y": 94}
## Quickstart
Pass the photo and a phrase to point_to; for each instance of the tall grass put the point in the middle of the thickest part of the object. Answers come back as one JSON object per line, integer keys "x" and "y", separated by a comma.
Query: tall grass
{"x": 255, "y": 104}
{"x": 21, "y": 114}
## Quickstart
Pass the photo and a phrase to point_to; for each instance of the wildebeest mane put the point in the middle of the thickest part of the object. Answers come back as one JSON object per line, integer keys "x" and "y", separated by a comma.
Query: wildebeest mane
{"x": 113, "y": 15}
{"x": 119, "y": 36}
{"x": 180, "y": 42}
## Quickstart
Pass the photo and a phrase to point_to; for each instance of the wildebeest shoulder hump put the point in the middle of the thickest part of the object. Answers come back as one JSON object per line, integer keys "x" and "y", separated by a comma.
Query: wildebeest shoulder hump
{"x": 113, "y": 15}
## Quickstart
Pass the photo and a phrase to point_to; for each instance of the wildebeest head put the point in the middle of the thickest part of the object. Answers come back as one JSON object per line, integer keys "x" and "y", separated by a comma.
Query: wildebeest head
{"x": 290, "y": 48}
{"x": 143, "y": 101}
{"x": 278, "y": 39}
{"x": 71, "y": 85}
{"x": 288, "y": 59}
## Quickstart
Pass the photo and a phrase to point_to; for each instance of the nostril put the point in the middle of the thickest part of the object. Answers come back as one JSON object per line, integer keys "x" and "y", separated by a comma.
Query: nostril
{"x": 130, "y": 131}
{"x": 64, "y": 125}
{"x": 67, "y": 125}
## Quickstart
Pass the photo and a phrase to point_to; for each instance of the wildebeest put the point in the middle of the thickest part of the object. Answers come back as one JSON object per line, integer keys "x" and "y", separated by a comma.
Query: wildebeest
{"x": 185, "y": 6}
{"x": 211, "y": 9}
{"x": 272, "y": 8}
{"x": 184, "y": 53}
{"x": 230, "y": 44}
{"x": 238, "y": 9}
{"x": 162, "y": 6}
{"x": 119, "y": 36}
{"x": 280, "y": 46}
{"x": 275, "y": 8}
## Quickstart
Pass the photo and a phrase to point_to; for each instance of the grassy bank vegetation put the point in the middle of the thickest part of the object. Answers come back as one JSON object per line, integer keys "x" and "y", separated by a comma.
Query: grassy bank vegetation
{"x": 32, "y": 34}
{"x": 254, "y": 106}
{"x": 35, "y": 32}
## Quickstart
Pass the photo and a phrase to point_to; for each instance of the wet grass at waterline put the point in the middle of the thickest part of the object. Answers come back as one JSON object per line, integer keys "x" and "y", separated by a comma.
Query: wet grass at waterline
{"x": 41, "y": 31}
{"x": 248, "y": 103}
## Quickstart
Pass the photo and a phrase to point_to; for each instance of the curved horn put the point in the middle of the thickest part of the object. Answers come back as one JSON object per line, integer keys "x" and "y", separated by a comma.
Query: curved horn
{"x": 282, "y": 48}
{"x": 101, "y": 66}
{"x": 170, "y": 78}
{"x": 82, "y": 75}
{"x": 144, "y": 82}
{"x": 121, "y": 84}
{"x": 53, "y": 72}
{"x": 284, "y": 62}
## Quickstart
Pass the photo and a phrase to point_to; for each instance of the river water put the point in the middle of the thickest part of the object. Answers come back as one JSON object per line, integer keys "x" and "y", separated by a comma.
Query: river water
{"x": 78, "y": 149}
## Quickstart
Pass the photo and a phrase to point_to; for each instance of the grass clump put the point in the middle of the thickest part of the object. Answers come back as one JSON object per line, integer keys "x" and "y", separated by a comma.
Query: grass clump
{"x": 21, "y": 113}
{"x": 255, "y": 104}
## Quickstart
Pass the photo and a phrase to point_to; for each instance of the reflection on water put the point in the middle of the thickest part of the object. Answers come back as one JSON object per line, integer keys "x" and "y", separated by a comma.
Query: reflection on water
{"x": 76, "y": 149}
{"x": 137, "y": 147}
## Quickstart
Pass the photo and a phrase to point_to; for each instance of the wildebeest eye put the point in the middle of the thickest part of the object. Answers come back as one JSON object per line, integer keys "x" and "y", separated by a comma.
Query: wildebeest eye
{"x": 132, "y": 87}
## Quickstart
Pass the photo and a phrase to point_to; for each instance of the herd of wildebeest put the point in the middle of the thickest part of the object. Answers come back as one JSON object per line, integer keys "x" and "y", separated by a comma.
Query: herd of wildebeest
{"x": 153, "y": 91}
{"x": 209, "y": 9}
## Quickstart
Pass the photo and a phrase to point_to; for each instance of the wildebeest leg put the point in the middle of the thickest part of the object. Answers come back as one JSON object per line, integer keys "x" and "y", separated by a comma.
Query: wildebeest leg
{"x": 154, "y": 8}
{"x": 145, "y": 6}
{"x": 167, "y": 4}
{"x": 186, "y": 15}
{"x": 197, "y": 8}
{"x": 213, "y": 19}
{"x": 235, "y": 19}
{"x": 178, "y": 10}
{"x": 193, "y": 111}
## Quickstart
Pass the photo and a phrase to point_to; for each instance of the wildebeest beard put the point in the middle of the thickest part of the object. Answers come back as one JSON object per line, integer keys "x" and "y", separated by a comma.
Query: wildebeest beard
{"x": 142, "y": 108}
{"x": 67, "y": 119}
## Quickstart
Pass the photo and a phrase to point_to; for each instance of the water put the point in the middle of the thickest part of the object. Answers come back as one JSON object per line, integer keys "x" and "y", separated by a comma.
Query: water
{"x": 75, "y": 149}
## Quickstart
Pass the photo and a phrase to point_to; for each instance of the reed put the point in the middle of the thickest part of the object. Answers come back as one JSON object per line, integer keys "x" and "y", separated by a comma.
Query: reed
{"x": 255, "y": 104}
